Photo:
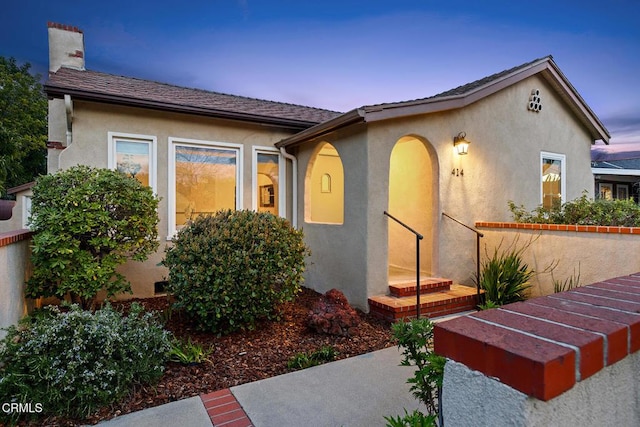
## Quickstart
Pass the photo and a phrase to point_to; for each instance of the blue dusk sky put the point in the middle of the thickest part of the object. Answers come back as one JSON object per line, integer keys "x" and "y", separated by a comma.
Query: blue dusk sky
{"x": 344, "y": 54}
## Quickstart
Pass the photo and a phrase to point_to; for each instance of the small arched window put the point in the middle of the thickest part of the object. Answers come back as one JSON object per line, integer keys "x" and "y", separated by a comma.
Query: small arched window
{"x": 324, "y": 187}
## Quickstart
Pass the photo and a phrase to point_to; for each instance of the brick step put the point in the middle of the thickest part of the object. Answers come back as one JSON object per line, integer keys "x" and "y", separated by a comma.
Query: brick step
{"x": 405, "y": 287}
{"x": 457, "y": 299}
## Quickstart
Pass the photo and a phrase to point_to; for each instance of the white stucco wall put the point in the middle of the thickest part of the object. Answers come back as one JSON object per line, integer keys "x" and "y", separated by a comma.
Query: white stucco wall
{"x": 15, "y": 268}
{"x": 92, "y": 123}
{"x": 339, "y": 251}
{"x": 610, "y": 397}
{"x": 503, "y": 164}
{"x": 595, "y": 256}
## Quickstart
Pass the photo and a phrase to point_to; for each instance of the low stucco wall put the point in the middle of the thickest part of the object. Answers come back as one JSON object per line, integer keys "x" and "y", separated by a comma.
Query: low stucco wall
{"x": 609, "y": 397}
{"x": 571, "y": 358}
{"x": 596, "y": 253}
{"x": 15, "y": 268}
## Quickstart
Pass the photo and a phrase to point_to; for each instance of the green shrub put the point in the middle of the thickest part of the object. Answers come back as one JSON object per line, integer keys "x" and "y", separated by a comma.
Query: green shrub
{"x": 582, "y": 211}
{"x": 231, "y": 269}
{"x": 317, "y": 357}
{"x": 568, "y": 283}
{"x": 77, "y": 361}
{"x": 414, "y": 419}
{"x": 188, "y": 352}
{"x": 505, "y": 276}
{"x": 87, "y": 222}
{"x": 416, "y": 340}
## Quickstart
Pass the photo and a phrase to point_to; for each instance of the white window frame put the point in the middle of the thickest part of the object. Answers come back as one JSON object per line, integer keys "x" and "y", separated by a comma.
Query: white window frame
{"x": 151, "y": 140}
{"x": 563, "y": 173}
{"x": 197, "y": 143}
{"x": 282, "y": 203}
{"x": 26, "y": 210}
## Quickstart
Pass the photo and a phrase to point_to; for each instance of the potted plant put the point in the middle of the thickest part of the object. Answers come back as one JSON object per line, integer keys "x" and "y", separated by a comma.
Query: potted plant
{"x": 6, "y": 209}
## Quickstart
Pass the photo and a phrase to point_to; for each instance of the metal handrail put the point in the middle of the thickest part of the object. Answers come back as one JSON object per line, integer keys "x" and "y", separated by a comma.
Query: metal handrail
{"x": 478, "y": 236}
{"x": 418, "y": 238}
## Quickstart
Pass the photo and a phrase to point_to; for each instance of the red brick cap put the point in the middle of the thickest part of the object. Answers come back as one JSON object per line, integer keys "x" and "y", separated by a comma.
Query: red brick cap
{"x": 543, "y": 346}
{"x": 64, "y": 27}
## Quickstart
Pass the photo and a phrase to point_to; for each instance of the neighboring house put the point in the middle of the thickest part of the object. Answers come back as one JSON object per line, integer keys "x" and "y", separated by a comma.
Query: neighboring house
{"x": 332, "y": 174}
{"x": 617, "y": 174}
{"x": 21, "y": 210}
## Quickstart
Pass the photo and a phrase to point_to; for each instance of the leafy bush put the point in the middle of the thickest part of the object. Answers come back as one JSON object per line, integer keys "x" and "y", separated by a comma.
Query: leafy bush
{"x": 233, "y": 268}
{"x": 76, "y": 361}
{"x": 87, "y": 222}
{"x": 414, "y": 419}
{"x": 505, "y": 276}
{"x": 416, "y": 339}
{"x": 583, "y": 211}
{"x": 568, "y": 283}
{"x": 318, "y": 357}
{"x": 188, "y": 352}
{"x": 333, "y": 315}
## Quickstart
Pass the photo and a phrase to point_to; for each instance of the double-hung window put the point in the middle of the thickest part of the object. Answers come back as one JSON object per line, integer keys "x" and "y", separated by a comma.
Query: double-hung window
{"x": 135, "y": 156}
{"x": 552, "y": 179}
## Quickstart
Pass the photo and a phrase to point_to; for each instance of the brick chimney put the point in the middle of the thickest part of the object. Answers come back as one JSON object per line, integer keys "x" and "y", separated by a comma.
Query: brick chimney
{"x": 66, "y": 47}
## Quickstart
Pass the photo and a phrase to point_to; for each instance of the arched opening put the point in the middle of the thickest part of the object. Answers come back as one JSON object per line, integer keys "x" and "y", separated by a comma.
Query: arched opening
{"x": 324, "y": 187}
{"x": 411, "y": 199}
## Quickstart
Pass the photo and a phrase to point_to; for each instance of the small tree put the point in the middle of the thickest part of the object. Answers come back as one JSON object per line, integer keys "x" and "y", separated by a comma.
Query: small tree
{"x": 87, "y": 222}
{"x": 23, "y": 125}
{"x": 416, "y": 340}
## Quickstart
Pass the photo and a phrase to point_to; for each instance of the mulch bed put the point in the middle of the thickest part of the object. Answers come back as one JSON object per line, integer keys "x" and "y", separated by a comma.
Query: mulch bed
{"x": 241, "y": 357}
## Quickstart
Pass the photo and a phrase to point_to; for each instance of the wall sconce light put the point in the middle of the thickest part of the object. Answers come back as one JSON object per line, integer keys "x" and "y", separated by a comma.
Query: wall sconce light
{"x": 461, "y": 144}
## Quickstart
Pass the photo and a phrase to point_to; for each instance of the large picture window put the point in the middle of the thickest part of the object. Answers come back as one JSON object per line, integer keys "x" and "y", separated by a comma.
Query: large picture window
{"x": 204, "y": 178}
{"x": 553, "y": 179}
{"x": 134, "y": 155}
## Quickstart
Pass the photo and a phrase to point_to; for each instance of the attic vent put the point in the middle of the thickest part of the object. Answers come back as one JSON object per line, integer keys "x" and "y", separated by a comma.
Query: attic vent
{"x": 535, "y": 103}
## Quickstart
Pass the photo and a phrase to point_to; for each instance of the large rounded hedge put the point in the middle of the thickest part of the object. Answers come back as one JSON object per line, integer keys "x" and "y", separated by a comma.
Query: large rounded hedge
{"x": 231, "y": 269}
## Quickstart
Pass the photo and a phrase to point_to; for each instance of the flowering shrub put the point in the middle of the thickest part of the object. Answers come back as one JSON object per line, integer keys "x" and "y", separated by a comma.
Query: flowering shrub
{"x": 77, "y": 361}
{"x": 333, "y": 315}
{"x": 231, "y": 269}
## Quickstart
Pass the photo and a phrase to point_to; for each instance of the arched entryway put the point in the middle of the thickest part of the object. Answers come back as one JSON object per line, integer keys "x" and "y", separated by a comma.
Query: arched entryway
{"x": 324, "y": 187}
{"x": 412, "y": 199}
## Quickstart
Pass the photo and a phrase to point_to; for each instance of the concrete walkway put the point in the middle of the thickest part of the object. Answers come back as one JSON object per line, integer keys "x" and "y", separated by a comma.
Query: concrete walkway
{"x": 358, "y": 391}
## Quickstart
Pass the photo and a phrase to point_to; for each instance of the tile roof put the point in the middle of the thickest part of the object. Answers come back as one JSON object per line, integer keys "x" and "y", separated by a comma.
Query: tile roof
{"x": 468, "y": 87}
{"x": 462, "y": 96}
{"x": 132, "y": 91}
{"x": 620, "y": 165}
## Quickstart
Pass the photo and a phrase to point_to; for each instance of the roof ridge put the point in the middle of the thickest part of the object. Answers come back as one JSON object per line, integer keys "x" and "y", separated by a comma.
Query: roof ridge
{"x": 468, "y": 87}
{"x": 208, "y": 91}
{"x": 489, "y": 78}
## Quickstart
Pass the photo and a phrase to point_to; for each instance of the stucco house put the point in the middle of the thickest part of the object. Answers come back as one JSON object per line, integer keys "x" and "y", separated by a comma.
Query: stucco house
{"x": 332, "y": 174}
{"x": 616, "y": 173}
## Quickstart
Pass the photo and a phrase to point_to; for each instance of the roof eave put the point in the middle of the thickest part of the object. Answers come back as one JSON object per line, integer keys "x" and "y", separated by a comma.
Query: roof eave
{"x": 439, "y": 104}
{"x": 611, "y": 171}
{"x": 588, "y": 117}
{"x": 19, "y": 188}
{"x": 348, "y": 118}
{"x": 58, "y": 91}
